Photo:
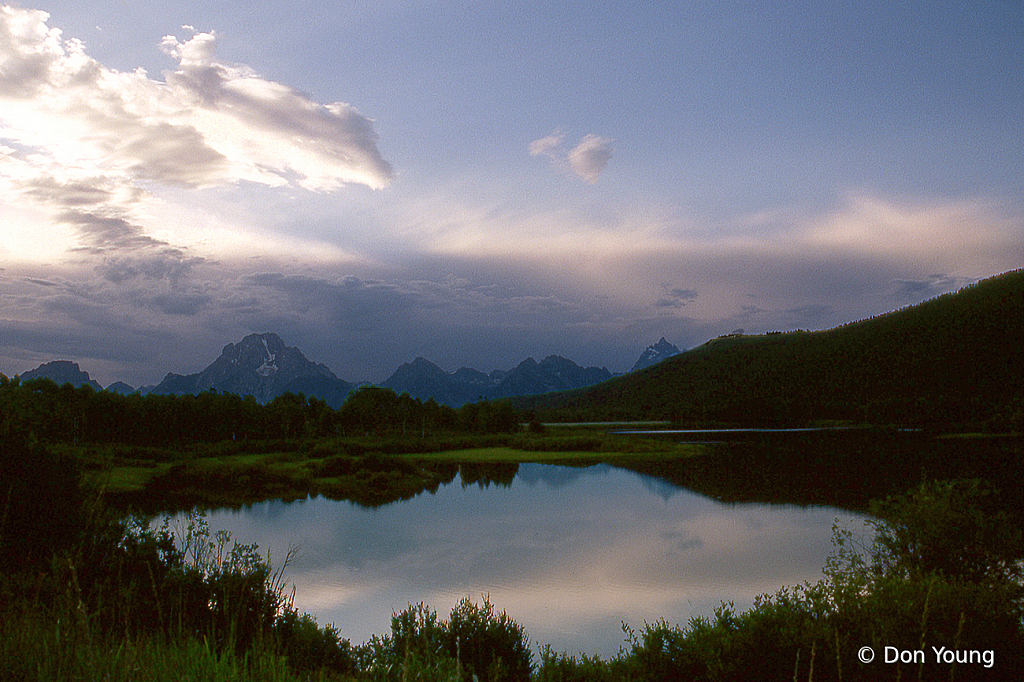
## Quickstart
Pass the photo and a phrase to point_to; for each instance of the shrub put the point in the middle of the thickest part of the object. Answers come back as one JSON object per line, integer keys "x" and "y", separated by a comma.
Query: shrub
{"x": 488, "y": 644}
{"x": 41, "y": 502}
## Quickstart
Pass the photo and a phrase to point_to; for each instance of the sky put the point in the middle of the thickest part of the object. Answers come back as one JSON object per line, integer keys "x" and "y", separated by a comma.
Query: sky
{"x": 480, "y": 182}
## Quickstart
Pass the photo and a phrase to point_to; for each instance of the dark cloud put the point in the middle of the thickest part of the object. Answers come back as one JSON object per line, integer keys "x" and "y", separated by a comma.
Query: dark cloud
{"x": 930, "y": 287}
{"x": 811, "y": 313}
{"x": 90, "y": 311}
{"x": 102, "y": 233}
{"x": 169, "y": 264}
{"x": 676, "y": 298}
{"x": 74, "y": 194}
{"x": 179, "y": 303}
{"x": 748, "y": 311}
{"x": 174, "y": 154}
{"x": 132, "y": 354}
{"x": 359, "y": 305}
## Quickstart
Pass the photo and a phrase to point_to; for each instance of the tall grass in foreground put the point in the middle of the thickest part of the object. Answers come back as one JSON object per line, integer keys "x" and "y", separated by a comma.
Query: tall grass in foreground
{"x": 141, "y": 607}
{"x": 32, "y": 648}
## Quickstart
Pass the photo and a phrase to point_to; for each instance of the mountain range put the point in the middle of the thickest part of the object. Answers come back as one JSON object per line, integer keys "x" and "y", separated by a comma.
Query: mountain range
{"x": 423, "y": 379}
{"x": 261, "y": 365}
{"x": 958, "y": 358}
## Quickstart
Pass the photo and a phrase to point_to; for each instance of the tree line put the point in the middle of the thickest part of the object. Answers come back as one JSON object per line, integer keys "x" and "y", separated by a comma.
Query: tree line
{"x": 70, "y": 415}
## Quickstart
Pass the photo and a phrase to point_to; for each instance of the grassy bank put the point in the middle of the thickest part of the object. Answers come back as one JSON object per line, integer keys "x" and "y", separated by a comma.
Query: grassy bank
{"x": 369, "y": 471}
{"x": 845, "y": 468}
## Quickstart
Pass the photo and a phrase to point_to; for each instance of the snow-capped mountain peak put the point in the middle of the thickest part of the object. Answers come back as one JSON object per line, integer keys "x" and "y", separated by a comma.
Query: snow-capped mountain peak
{"x": 654, "y": 354}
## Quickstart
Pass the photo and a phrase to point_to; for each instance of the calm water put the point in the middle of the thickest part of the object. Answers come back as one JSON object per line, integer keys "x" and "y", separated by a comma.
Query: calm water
{"x": 569, "y": 553}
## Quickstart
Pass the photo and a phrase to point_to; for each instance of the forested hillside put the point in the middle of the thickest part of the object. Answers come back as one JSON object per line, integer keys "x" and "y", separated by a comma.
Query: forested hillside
{"x": 956, "y": 360}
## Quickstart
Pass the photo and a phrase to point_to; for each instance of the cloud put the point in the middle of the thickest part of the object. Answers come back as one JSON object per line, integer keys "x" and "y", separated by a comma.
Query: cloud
{"x": 208, "y": 123}
{"x": 267, "y": 130}
{"x": 590, "y": 157}
{"x": 810, "y": 313}
{"x": 548, "y": 146}
{"x": 587, "y": 159}
{"x": 164, "y": 264}
{"x": 929, "y": 287}
{"x": 676, "y": 298}
{"x": 178, "y": 303}
{"x": 966, "y": 234}
{"x": 89, "y": 145}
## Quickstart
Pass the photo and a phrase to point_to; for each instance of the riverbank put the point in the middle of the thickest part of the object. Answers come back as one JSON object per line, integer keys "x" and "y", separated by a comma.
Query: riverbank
{"x": 838, "y": 467}
{"x": 368, "y": 471}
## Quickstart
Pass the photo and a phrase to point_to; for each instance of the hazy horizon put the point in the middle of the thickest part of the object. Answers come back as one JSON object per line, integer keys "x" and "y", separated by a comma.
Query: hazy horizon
{"x": 478, "y": 183}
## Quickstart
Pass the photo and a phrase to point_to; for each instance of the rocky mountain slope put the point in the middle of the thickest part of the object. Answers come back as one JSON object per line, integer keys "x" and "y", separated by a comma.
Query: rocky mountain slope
{"x": 262, "y": 366}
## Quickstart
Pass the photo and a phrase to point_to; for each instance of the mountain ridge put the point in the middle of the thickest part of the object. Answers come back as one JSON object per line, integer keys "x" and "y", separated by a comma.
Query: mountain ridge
{"x": 260, "y": 365}
{"x": 62, "y": 372}
{"x": 655, "y": 353}
{"x": 956, "y": 357}
{"x": 425, "y": 380}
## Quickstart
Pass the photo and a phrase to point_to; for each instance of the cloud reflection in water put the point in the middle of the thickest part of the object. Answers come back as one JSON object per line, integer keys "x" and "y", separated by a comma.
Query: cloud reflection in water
{"x": 569, "y": 553}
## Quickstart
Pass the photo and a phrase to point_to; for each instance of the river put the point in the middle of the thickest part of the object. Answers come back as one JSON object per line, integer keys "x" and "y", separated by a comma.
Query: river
{"x": 570, "y": 553}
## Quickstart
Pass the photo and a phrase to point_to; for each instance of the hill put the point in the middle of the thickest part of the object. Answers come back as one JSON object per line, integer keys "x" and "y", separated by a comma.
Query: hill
{"x": 955, "y": 359}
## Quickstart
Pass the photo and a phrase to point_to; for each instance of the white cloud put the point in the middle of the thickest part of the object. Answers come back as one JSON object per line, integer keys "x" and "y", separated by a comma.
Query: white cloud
{"x": 952, "y": 235}
{"x": 89, "y": 145}
{"x": 267, "y": 130}
{"x": 548, "y": 146}
{"x": 590, "y": 157}
{"x": 587, "y": 159}
{"x": 208, "y": 123}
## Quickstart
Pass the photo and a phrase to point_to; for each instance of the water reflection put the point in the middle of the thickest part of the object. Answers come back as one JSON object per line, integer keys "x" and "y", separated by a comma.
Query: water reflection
{"x": 570, "y": 553}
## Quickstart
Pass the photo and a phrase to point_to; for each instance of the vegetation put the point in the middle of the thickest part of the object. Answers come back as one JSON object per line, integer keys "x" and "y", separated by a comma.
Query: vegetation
{"x": 69, "y": 415}
{"x": 953, "y": 363}
{"x": 159, "y": 452}
{"x": 846, "y": 468}
{"x": 109, "y": 597}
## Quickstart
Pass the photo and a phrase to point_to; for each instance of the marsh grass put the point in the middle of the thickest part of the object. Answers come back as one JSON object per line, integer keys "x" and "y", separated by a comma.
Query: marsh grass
{"x": 128, "y": 602}
{"x": 34, "y": 648}
{"x": 367, "y": 470}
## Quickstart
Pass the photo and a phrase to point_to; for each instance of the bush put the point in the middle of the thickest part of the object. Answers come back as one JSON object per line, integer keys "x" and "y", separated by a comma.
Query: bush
{"x": 489, "y": 644}
{"x": 311, "y": 647}
{"x": 41, "y": 502}
{"x": 475, "y": 642}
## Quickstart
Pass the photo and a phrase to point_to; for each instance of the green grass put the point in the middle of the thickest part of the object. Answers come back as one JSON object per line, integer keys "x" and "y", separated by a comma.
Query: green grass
{"x": 52, "y": 652}
{"x": 366, "y": 470}
{"x": 124, "y": 479}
